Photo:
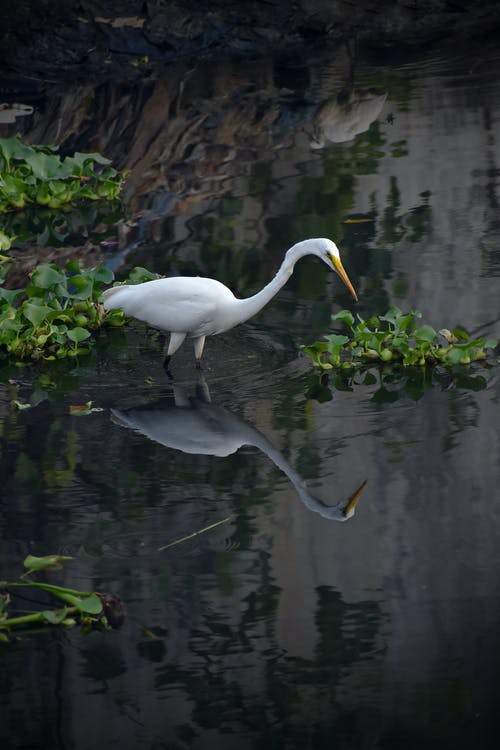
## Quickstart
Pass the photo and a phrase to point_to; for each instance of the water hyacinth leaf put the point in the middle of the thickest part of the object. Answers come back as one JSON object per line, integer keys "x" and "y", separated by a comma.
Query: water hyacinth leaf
{"x": 36, "y": 314}
{"x": 46, "y": 276}
{"x": 9, "y": 295}
{"x": 335, "y": 341}
{"x": 454, "y": 356}
{"x": 79, "y": 159}
{"x": 47, "y": 166}
{"x": 425, "y": 333}
{"x": 78, "y": 334}
{"x": 345, "y": 316}
{"x": 54, "y": 616}
{"x": 138, "y": 274}
{"x": 48, "y": 562}
{"x": 13, "y": 148}
{"x": 105, "y": 275}
{"x": 460, "y": 334}
{"x": 407, "y": 322}
{"x": 90, "y": 605}
{"x": 5, "y": 241}
{"x": 80, "y": 287}
{"x": 21, "y": 406}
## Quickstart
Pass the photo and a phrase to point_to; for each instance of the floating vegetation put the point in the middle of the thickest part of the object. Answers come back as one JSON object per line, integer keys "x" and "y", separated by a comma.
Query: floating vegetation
{"x": 38, "y": 175}
{"x": 55, "y": 315}
{"x": 390, "y": 351}
{"x": 395, "y": 338}
{"x": 88, "y": 608}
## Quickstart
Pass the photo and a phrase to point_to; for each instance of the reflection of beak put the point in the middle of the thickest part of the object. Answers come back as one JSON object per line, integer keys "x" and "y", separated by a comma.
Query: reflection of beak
{"x": 349, "y": 509}
{"x": 339, "y": 268}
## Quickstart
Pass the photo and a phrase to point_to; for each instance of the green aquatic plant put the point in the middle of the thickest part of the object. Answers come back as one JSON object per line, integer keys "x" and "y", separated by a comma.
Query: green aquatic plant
{"x": 397, "y": 339}
{"x": 89, "y": 608}
{"x": 38, "y": 175}
{"x": 55, "y": 315}
{"x": 5, "y": 241}
{"x": 52, "y": 316}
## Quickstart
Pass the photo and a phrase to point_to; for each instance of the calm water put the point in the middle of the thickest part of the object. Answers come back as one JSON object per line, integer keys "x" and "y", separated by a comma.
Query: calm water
{"x": 282, "y": 627}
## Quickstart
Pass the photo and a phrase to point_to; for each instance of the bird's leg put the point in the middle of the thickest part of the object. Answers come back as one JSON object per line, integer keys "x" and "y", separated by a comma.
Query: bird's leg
{"x": 166, "y": 367}
{"x": 202, "y": 389}
{"x": 176, "y": 340}
{"x": 199, "y": 343}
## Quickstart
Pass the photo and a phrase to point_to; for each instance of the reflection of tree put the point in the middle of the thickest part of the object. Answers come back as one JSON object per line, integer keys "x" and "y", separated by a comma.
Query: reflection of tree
{"x": 413, "y": 225}
{"x": 277, "y": 699}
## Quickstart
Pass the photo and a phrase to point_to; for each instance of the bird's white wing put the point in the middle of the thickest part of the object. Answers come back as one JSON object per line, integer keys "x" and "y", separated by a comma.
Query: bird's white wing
{"x": 181, "y": 303}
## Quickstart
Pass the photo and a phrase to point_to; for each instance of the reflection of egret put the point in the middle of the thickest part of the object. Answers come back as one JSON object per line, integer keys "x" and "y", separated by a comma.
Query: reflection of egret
{"x": 201, "y": 307}
{"x": 195, "y": 425}
{"x": 342, "y": 117}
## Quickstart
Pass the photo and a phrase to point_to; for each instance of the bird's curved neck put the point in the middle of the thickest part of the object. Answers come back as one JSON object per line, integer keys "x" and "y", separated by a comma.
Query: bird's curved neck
{"x": 251, "y": 305}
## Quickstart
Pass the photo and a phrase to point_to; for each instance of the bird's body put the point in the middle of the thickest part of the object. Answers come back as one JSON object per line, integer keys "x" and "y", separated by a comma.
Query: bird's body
{"x": 186, "y": 304}
{"x": 198, "y": 307}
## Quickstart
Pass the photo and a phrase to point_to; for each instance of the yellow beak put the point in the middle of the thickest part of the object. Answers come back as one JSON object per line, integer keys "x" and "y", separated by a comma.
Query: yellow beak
{"x": 339, "y": 268}
{"x": 353, "y": 500}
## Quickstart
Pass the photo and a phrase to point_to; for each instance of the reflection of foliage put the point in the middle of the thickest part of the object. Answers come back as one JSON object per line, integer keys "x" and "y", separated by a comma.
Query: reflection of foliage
{"x": 366, "y": 151}
{"x": 414, "y": 225}
{"x": 398, "y": 149}
{"x": 347, "y": 631}
{"x": 275, "y": 714}
{"x": 391, "y": 384}
{"x": 463, "y": 413}
{"x": 446, "y": 704}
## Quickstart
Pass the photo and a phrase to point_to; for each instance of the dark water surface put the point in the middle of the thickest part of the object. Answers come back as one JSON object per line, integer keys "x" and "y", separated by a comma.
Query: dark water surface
{"x": 282, "y": 627}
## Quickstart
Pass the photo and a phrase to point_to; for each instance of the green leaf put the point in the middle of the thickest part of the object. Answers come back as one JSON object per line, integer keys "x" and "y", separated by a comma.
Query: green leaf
{"x": 490, "y": 344}
{"x": 36, "y": 314}
{"x": 78, "y": 334}
{"x": 80, "y": 287}
{"x": 345, "y": 316}
{"x": 335, "y": 341}
{"x": 79, "y": 159}
{"x": 138, "y": 274}
{"x": 104, "y": 275}
{"x": 54, "y": 617}
{"x": 49, "y": 562}
{"x": 9, "y": 295}
{"x": 454, "y": 355}
{"x": 90, "y": 605}
{"x": 47, "y": 166}
{"x": 460, "y": 334}
{"x": 14, "y": 148}
{"x": 425, "y": 333}
{"x": 46, "y": 276}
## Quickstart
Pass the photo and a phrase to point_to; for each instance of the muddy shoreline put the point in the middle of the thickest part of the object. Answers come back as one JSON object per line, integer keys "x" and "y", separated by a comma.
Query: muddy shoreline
{"x": 126, "y": 39}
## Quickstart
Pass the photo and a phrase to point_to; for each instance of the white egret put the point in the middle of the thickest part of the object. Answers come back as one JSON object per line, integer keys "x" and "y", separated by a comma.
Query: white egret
{"x": 199, "y": 307}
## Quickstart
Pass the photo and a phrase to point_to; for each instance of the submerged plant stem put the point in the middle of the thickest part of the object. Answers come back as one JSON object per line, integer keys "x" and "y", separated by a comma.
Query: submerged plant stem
{"x": 195, "y": 533}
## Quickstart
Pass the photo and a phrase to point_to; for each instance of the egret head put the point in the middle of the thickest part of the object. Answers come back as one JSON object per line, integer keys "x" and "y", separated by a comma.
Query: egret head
{"x": 329, "y": 253}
